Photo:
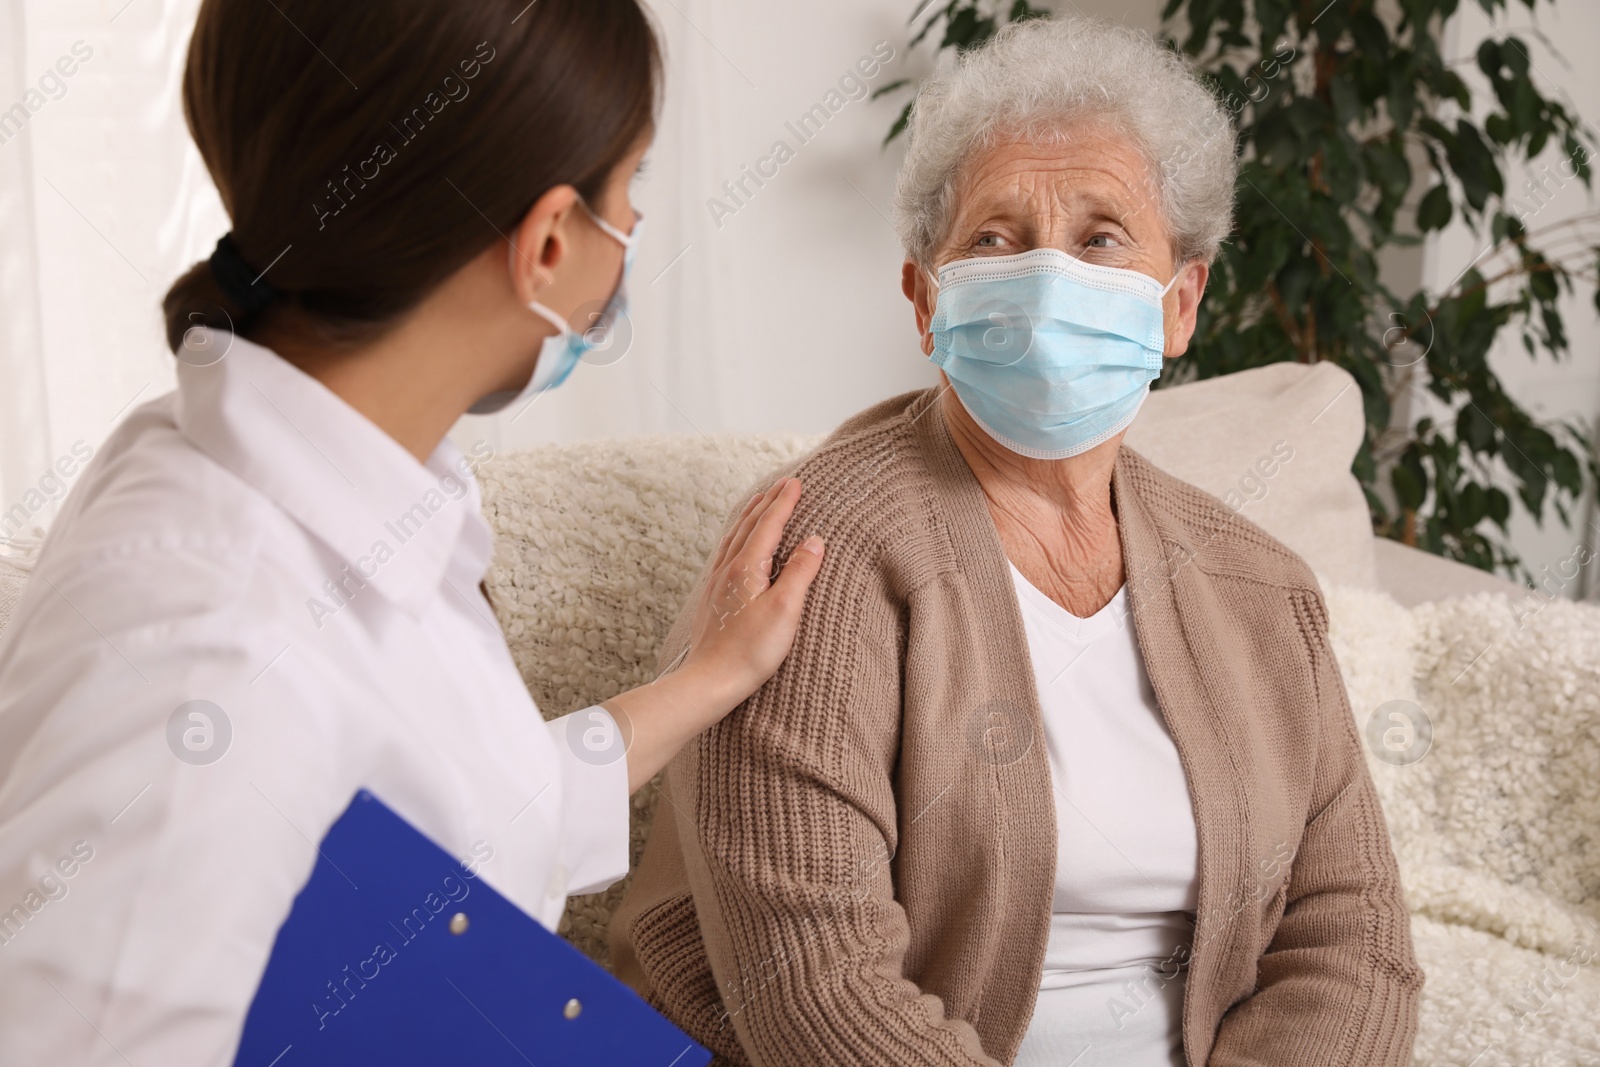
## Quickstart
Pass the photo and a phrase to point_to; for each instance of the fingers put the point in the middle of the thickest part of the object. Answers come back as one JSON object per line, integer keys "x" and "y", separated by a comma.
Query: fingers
{"x": 766, "y": 531}
{"x": 747, "y": 617}
{"x": 741, "y": 531}
{"x": 782, "y": 489}
{"x": 795, "y": 578}
{"x": 727, "y": 538}
{"x": 733, "y": 540}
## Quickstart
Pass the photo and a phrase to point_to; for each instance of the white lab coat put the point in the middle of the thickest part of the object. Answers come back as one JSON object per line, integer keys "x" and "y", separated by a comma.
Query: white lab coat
{"x": 253, "y": 542}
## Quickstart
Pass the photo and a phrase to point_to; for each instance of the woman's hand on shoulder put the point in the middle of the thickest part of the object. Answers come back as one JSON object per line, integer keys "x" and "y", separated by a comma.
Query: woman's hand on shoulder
{"x": 748, "y": 613}
{"x": 742, "y": 630}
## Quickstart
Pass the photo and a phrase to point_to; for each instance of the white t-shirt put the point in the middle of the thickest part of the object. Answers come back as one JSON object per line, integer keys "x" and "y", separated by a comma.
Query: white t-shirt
{"x": 1127, "y": 859}
{"x": 255, "y": 603}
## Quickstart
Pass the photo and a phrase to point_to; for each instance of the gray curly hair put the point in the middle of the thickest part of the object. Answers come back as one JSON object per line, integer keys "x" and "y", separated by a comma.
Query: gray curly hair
{"x": 1035, "y": 79}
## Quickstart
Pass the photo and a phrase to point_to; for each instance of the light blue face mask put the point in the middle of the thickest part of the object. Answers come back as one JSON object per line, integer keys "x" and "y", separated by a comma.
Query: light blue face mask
{"x": 562, "y": 350}
{"x": 1049, "y": 354}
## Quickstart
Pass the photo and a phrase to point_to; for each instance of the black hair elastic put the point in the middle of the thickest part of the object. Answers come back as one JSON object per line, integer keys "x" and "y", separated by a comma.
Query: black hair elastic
{"x": 239, "y": 281}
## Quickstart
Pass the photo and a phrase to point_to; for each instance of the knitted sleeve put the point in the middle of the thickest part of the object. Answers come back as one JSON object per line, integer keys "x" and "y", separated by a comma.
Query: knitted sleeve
{"x": 1339, "y": 982}
{"x": 787, "y": 816}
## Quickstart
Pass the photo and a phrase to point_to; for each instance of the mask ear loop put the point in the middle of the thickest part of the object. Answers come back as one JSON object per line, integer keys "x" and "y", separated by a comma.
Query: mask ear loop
{"x": 626, "y": 240}
{"x": 533, "y": 305}
{"x": 933, "y": 304}
{"x": 1182, "y": 270}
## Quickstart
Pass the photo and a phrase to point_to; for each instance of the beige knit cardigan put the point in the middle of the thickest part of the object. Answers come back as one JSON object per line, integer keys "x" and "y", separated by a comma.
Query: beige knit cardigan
{"x": 857, "y": 866}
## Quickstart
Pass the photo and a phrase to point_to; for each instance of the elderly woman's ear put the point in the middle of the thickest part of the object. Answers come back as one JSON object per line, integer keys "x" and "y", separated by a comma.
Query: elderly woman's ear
{"x": 1180, "y": 305}
{"x": 914, "y": 283}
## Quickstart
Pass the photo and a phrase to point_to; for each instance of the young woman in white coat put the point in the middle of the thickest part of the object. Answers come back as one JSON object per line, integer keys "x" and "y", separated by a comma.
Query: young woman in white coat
{"x": 264, "y": 594}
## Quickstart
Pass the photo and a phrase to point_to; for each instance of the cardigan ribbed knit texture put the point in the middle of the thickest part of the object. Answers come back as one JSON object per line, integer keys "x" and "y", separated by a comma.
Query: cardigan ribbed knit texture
{"x": 857, "y": 866}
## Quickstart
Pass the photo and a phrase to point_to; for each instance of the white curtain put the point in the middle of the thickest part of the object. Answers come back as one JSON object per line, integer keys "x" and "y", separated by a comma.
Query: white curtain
{"x": 102, "y": 202}
{"x": 23, "y": 418}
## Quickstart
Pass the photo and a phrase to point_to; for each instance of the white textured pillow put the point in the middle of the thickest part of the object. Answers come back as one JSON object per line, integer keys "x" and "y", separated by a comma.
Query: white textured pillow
{"x": 1275, "y": 443}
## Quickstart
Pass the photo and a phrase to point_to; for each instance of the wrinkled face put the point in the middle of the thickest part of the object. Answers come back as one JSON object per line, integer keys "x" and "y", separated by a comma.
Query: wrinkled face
{"x": 1089, "y": 194}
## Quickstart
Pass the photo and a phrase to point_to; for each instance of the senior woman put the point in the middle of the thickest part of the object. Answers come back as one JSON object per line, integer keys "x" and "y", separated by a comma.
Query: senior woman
{"x": 1061, "y": 770}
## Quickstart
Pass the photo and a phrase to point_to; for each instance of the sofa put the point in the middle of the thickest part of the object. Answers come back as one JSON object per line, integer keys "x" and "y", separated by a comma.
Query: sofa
{"x": 1492, "y": 794}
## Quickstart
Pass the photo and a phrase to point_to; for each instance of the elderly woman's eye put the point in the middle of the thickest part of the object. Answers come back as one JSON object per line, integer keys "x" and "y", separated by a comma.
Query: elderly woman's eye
{"x": 1104, "y": 240}
{"x": 989, "y": 240}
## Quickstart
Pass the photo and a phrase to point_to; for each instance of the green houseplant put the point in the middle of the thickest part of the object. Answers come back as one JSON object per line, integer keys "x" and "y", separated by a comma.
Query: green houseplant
{"x": 1357, "y": 135}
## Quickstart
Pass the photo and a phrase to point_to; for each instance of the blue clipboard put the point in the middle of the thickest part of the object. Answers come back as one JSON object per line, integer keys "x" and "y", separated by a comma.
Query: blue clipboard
{"x": 395, "y": 953}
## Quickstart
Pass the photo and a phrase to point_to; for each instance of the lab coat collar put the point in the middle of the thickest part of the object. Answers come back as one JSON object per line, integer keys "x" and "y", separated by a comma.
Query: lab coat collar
{"x": 402, "y": 526}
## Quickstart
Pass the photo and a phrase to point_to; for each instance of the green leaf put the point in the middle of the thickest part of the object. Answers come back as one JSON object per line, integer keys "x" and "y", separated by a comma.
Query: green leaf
{"x": 1309, "y": 117}
{"x": 1346, "y": 97}
{"x": 1568, "y": 474}
{"x": 1542, "y": 284}
{"x": 1505, "y": 227}
{"x": 1297, "y": 278}
{"x": 1435, "y": 210}
{"x": 1439, "y": 132}
{"x": 1489, "y": 59}
{"x": 1474, "y": 165}
{"x": 1524, "y": 106}
{"x": 1515, "y": 56}
{"x": 898, "y": 83}
{"x": 1387, "y": 163}
{"x": 966, "y": 29}
{"x": 1498, "y": 506}
{"x": 1401, "y": 99}
{"x": 1474, "y": 428}
{"x": 1272, "y": 16}
{"x": 1555, "y": 331}
{"x": 1410, "y": 481}
{"x": 1277, "y": 143}
{"x": 1472, "y": 505}
{"x": 1369, "y": 33}
{"x": 1344, "y": 172}
{"x": 900, "y": 125}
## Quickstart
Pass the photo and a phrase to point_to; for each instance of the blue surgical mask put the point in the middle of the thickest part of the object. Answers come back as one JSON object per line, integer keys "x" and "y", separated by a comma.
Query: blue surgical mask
{"x": 562, "y": 350}
{"x": 1049, "y": 354}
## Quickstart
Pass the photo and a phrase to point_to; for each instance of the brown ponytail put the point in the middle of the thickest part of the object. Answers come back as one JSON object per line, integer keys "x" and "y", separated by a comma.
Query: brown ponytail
{"x": 365, "y": 152}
